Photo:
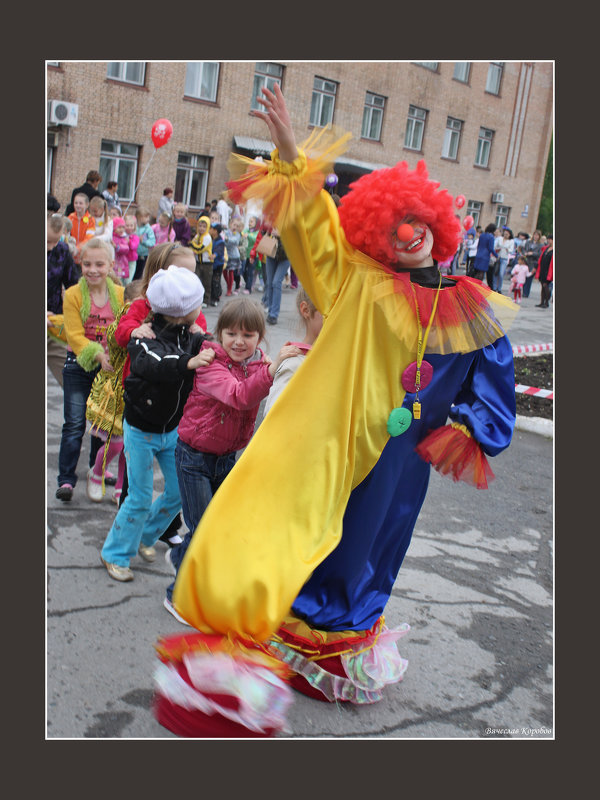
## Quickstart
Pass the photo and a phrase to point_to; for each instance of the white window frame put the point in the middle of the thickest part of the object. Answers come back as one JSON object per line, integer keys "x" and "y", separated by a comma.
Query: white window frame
{"x": 199, "y": 85}
{"x": 191, "y": 167}
{"x": 49, "y": 157}
{"x": 494, "y": 77}
{"x": 474, "y": 208}
{"x": 452, "y": 138}
{"x": 120, "y": 166}
{"x": 266, "y": 75}
{"x": 322, "y": 89}
{"x": 122, "y": 71}
{"x": 415, "y": 127}
{"x": 502, "y": 215}
{"x": 462, "y": 70}
{"x": 373, "y": 112}
{"x": 484, "y": 147}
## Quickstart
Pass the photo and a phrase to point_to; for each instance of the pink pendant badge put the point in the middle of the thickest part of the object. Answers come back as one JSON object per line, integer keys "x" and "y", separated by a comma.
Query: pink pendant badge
{"x": 410, "y": 373}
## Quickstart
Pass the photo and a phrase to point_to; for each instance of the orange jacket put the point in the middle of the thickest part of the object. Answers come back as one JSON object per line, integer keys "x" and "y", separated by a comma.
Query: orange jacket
{"x": 82, "y": 228}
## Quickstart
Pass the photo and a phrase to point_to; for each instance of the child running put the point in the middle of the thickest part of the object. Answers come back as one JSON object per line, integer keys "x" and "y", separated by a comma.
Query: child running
{"x": 88, "y": 307}
{"x": 161, "y": 376}
{"x": 219, "y": 416}
{"x": 105, "y": 408}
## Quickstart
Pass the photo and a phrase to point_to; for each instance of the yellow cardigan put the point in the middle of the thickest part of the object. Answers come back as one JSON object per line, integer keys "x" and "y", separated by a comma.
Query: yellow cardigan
{"x": 76, "y": 308}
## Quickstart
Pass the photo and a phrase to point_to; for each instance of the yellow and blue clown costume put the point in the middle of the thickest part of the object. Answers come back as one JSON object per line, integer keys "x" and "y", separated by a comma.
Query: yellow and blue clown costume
{"x": 292, "y": 582}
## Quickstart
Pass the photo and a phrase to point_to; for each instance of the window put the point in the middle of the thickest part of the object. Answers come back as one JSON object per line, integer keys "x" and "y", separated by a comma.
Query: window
{"x": 119, "y": 162}
{"x": 451, "y": 138}
{"x": 53, "y": 63}
{"x": 127, "y": 71}
{"x": 494, "y": 77}
{"x": 372, "y": 116}
{"x": 415, "y": 127}
{"x": 201, "y": 80}
{"x": 461, "y": 71}
{"x": 502, "y": 215}
{"x": 474, "y": 209}
{"x": 191, "y": 180}
{"x": 432, "y": 65}
{"x": 484, "y": 145}
{"x": 323, "y": 102}
{"x": 265, "y": 75}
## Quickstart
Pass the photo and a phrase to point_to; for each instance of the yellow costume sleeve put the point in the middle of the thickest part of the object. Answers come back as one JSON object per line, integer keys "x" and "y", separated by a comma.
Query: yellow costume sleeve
{"x": 253, "y": 551}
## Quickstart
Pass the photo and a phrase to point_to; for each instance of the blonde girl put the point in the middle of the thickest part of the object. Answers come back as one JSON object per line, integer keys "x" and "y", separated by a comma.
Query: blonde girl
{"x": 163, "y": 229}
{"x": 104, "y": 225}
{"x": 134, "y": 243}
{"x": 88, "y": 308}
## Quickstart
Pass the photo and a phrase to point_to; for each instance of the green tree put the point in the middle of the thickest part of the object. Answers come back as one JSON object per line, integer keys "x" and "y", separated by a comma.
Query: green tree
{"x": 546, "y": 212}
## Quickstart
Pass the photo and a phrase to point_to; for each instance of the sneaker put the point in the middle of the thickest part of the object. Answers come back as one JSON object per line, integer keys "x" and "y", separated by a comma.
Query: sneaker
{"x": 94, "y": 487}
{"x": 171, "y": 609}
{"x": 147, "y": 553}
{"x": 169, "y": 563}
{"x": 64, "y": 492}
{"x": 245, "y": 291}
{"x": 116, "y": 572}
{"x": 110, "y": 479}
{"x": 272, "y": 320}
{"x": 170, "y": 539}
{"x": 116, "y": 496}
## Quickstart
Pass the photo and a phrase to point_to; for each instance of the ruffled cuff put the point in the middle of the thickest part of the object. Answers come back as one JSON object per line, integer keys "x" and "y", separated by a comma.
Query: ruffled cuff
{"x": 87, "y": 358}
{"x": 451, "y": 450}
{"x": 285, "y": 186}
{"x": 207, "y": 686}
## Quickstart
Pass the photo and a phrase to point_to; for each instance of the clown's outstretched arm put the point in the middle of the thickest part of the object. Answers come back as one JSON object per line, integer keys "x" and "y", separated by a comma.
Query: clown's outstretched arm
{"x": 290, "y": 187}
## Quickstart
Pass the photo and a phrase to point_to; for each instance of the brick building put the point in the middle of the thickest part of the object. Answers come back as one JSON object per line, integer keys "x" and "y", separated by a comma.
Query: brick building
{"x": 484, "y": 128}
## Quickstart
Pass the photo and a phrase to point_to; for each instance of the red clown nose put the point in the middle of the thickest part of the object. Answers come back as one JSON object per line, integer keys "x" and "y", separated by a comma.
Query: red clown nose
{"x": 405, "y": 232}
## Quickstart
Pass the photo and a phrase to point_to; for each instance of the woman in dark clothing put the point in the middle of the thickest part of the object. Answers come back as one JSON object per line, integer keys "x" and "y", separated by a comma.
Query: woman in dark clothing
{"x": 485, "y": 249}
{"x": 532, "y": 252}
{"x": 545, "y": 273}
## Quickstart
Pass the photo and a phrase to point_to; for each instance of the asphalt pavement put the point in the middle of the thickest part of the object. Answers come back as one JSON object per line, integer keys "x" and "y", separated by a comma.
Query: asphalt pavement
{"x": 476, "y": 588}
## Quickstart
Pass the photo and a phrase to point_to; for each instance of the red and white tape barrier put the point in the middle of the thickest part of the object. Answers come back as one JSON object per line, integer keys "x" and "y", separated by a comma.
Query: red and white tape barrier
{"x": 523, "y": 349}
{"x": 547, "y": 393}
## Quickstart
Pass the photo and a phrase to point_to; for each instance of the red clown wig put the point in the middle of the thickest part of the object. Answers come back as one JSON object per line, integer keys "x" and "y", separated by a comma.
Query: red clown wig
{"x": 379, "y": 201}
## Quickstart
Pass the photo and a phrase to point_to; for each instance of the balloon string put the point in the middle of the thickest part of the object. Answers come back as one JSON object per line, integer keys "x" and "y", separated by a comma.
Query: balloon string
{"x": 141, "y": 179}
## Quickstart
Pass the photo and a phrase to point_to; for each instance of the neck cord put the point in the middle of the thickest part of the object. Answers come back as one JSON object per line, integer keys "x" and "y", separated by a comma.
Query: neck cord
{"x": 422, "y": 344}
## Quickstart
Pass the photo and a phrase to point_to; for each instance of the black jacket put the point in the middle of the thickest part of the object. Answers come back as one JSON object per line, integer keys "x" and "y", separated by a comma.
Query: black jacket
{"x": 88, "y": 189}
{"x": 159, "y": 381}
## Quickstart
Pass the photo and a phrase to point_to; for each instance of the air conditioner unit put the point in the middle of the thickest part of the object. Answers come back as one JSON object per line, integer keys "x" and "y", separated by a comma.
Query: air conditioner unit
{"x": 61, "y": 113}
{"x": 497, "y": 197}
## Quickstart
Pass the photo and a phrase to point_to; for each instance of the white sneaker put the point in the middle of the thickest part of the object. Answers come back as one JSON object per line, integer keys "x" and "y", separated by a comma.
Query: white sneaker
{"x": 94, "y": 489}
{"x": 171, "y": 609}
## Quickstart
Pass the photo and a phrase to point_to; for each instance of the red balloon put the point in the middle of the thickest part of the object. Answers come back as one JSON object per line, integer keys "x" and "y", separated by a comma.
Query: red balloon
{"x": 468, "y": 222}
{"x": 459, "y": 200}
{"x": 161, "y": 132}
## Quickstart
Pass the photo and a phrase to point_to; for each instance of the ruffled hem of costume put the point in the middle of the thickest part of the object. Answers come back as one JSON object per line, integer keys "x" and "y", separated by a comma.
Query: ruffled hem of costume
{"x": 346, "y": 666}
{"x": 282, "y": 186}
{"x": 451, "y": 450}
{"x": 209, "y": 686}
{"x": 469, "y": 316}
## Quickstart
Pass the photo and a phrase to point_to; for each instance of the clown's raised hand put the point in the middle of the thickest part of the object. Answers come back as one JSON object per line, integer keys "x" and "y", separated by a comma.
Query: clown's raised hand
{"x": 278, "y": 121}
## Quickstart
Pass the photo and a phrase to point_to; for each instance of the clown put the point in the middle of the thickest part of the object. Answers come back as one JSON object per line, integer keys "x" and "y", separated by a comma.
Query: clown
{"x": 301, "y": 574}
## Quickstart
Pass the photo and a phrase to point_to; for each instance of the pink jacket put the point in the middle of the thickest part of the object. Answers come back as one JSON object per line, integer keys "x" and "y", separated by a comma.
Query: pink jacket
{"x": 161, "y": 234}
{"x": 134, "y": 241}
{"x": 520, "y": 273}
{"x": 221, "y": 410}
{"x": 121, "y": 245}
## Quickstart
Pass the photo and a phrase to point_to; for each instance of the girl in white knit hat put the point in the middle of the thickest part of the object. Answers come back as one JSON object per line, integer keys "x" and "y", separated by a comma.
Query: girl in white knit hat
{"x": 161, "y": 376}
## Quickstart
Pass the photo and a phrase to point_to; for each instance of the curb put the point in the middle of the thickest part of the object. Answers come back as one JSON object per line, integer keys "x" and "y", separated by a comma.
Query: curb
{"x": 545, "y": 427}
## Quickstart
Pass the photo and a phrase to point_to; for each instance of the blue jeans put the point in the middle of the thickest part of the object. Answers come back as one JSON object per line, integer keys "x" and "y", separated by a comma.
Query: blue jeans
{"x": 139, "y": 520}
{"x": 275, "y": 273}
{"x": 76, "y": 388}
{"x": 199, "y": 475}
{"x": 499, "y": 274}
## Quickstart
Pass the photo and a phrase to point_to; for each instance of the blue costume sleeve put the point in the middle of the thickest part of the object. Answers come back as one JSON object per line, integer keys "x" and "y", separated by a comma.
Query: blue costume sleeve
{"x": 486, "y": 403}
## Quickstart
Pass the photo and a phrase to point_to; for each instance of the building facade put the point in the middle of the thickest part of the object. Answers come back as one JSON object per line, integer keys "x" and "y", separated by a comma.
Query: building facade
{"x": 484, "y": 128}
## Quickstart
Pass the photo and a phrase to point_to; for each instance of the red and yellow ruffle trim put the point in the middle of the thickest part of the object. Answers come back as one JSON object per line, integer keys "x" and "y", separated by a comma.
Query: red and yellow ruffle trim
{"x": 269, "y": 181}
{"x": 451, "y": 450}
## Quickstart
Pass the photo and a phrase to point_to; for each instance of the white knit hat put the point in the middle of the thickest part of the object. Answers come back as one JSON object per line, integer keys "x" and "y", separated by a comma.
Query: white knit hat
{"x": 175, "y": 291}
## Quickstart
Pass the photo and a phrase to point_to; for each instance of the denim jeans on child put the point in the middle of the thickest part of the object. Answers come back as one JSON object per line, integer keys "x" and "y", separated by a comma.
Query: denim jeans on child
{"x": 275, "y": 272}
{"x": 499, "y": 273}
{"x": 139, "y": 520}
{"x": 199, "y": 475}
{"x": 76, "y": 388}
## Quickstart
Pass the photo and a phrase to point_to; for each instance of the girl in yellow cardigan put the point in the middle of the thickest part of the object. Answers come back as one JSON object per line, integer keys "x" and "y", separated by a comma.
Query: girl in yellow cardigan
{"x": 88, "y": 307}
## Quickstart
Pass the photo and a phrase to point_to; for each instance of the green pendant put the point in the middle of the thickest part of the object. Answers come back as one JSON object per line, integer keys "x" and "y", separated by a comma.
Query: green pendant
{"x": 399, "y": 421}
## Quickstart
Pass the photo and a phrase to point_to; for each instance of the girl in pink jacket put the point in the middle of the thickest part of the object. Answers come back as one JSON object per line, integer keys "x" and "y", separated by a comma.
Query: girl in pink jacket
{"x": 121, "y": 244}
{"x": 220, "y": 413}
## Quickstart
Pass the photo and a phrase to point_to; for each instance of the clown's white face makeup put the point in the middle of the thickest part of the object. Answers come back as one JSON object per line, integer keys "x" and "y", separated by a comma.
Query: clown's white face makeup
{"x": 413, "y": 250}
